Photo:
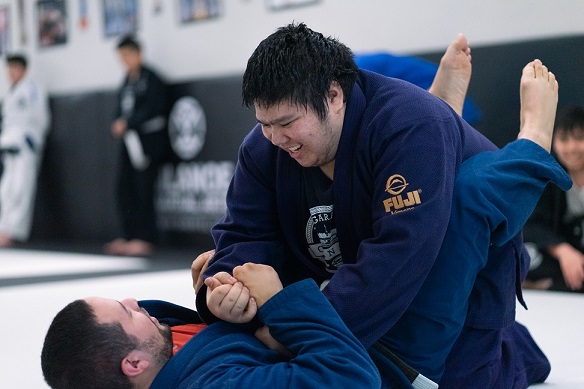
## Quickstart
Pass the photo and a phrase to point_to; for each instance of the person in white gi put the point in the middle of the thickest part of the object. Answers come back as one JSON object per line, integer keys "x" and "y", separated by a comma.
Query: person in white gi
{"x": 25, "y": 123}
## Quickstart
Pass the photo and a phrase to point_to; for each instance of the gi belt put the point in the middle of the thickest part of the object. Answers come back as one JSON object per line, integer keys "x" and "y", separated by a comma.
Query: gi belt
{"x": 9, "y": 150}
{"x": 417, "y": 380}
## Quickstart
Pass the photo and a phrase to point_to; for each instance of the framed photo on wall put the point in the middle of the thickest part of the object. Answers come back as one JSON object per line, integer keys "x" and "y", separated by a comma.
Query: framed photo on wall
{"x": 281, "y": 4}
{"x": 120, "y": 17}
{"x": 52, "y": 22}
{"x": 4, "y": 30}
{"x": 197, "y": 10}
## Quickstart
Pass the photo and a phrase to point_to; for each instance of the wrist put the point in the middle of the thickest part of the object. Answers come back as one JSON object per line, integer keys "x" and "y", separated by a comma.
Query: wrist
{"x": 266, "y": 296}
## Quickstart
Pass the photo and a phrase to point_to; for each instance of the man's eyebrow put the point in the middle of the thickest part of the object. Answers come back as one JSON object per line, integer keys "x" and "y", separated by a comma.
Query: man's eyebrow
{"x": 125, "y": 309}
{"x": 282, "y": 119}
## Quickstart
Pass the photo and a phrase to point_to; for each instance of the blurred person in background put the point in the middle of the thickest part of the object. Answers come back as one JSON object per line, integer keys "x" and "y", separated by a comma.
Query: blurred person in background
{"x": 555, "y": 231}
{"x": 25, "y": 123}
{"x": 140, "y": 122}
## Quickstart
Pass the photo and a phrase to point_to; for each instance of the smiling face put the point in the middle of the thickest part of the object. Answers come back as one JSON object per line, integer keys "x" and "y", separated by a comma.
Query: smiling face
{"x": 135, "y": 321}
{"x": 569, "y": 147}
{"x": 309, "y": 139}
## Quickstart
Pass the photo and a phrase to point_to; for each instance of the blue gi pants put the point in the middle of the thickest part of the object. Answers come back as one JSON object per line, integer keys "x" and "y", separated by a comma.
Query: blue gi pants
{"x": 494, "y": 194}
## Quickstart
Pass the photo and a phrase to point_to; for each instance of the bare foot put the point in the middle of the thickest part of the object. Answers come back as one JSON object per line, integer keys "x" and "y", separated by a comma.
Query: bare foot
{"x": 137, "y": 247}
{"x": 6, "y": 241}
{"x": 115, "y": 247}
{"x": 453, "y": 75}
{"x": 539, "y": 100}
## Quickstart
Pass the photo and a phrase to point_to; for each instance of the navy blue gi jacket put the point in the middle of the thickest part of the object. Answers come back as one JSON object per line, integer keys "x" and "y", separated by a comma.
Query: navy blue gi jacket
{"x": 389, "y": 241}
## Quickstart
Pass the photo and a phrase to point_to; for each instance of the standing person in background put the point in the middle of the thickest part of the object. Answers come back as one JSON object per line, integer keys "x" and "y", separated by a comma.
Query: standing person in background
{"x": 141, "y": 124}
{"x": 25, "y": 123}
{"x": 555, "y": 231}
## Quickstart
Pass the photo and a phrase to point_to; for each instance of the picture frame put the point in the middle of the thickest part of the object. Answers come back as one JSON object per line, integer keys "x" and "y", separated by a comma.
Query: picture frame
{"x": 4, "y": 30}
{"x": 52, "y": 22}
{"x": 120, "y": 17}
{"x": 276, "y": 5}
{"x": 199, "y": 10}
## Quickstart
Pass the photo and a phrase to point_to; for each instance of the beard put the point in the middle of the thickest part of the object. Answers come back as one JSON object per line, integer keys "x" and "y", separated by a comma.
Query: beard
{"x": 160, "y": 348}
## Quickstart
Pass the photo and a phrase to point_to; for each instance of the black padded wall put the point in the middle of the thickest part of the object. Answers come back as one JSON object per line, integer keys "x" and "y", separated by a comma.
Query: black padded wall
{"x": 76, "y": 192}
{"x": 76, "y": 183}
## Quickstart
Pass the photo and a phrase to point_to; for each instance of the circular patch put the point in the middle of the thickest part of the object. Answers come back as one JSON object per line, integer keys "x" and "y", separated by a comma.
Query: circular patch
{"x": 187, "y": 127}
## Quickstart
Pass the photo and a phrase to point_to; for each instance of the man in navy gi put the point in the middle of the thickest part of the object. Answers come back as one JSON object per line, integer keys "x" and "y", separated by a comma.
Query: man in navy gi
{"x": 349, "y": 179}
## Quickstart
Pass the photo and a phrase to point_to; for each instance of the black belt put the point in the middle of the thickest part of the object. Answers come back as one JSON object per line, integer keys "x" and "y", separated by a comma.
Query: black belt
{"x": 410, "y": 373}
{"x": 10, "y": 150}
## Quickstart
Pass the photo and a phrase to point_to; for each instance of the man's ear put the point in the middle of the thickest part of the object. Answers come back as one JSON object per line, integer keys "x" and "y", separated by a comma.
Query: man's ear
{"x": 135, "y": 363}
{"x": 336, "y": 97}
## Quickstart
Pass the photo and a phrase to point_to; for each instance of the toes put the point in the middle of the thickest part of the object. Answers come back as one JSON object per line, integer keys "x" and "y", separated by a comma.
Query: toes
{"x": 537, "y": 68}
{"x": 461, "y": 44}
{"x": 529, "y": 70}
{"x": 544, "y": 72}
{"x": 552, "y": 80}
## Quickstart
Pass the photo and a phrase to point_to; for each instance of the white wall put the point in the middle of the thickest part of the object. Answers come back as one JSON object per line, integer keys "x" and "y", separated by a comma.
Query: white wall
{"x": 221, "y": 46}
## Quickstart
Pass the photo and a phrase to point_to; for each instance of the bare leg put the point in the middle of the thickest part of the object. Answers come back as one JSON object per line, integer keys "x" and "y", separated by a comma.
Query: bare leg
{"x": 453, "y": 76}
{"x": 539, "y": 99}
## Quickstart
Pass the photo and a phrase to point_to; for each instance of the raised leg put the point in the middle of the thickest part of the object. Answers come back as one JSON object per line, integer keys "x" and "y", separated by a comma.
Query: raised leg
{"x": 453, "y": 75}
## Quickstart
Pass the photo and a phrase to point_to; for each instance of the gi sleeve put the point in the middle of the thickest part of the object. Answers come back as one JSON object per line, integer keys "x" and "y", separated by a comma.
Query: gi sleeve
{"x": 326, "y": 353}
{"x": 249, "y": 230}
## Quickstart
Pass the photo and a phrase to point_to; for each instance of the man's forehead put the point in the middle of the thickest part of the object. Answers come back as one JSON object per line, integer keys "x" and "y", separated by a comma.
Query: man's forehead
{"x": 106, "y": 310}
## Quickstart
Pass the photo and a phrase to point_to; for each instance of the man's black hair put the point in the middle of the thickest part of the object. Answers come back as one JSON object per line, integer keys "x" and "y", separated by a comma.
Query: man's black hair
{"x": 79, "y": 352}
{"x": 17, "y": 59}
{"x": 129, "y": 42}
{"x": 298, "y": 65}
{"x": 570, "y": 120}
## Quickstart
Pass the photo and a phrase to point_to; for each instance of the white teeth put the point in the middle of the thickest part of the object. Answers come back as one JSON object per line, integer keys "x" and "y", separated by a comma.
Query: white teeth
{"x": 295, "y": 148}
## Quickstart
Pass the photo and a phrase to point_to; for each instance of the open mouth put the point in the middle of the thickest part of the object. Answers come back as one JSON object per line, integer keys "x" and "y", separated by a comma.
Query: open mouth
{"x": 294, "y": 149}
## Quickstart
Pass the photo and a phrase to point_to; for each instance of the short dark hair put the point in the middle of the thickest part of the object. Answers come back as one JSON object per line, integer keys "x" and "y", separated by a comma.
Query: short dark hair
{"x": 79, "y": 352}
{"x": 129, "y": 42}
{"x": 16, "y": 59}
{"x": 297, "y": 64}
{"x": 570, "y": 120}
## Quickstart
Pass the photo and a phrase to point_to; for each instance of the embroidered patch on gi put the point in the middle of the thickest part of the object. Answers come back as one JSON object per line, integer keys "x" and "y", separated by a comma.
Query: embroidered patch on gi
{"x": 400, "y": 201}
{"x": 322, "y": 239}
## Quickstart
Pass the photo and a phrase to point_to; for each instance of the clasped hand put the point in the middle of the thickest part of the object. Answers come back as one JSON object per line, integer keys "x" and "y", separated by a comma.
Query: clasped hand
{"x": 237, "y": 298}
